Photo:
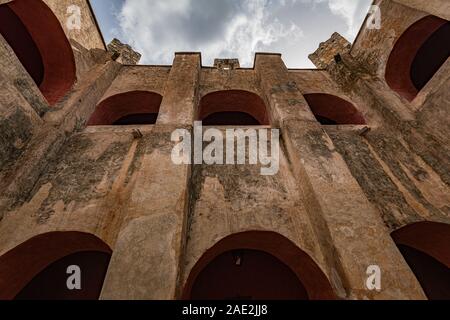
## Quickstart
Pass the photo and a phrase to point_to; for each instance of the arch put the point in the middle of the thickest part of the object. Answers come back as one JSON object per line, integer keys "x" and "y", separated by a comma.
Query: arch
{"x": 233, "y": 107}
{"x": 37, "y": 38}
{"x": 426, "y": 248}
{"x": 332, "y": 110}
{"x": 133, "y": 107}
{"x": 417, "y": 55}
{"x": 26, "y": 269}
{"x": 260, "y": 246}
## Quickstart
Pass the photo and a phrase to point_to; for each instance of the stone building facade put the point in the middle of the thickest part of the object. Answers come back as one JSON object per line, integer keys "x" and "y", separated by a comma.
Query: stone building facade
{"x": 87, "y": 179}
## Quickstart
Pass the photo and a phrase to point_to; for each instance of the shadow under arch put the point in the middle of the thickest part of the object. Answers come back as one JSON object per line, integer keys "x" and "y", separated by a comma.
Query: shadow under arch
{"x": 332, "y": 110}
{"x": 38, "y": 40}
{"x": 233, "y": 107}
{"x": 417, "y": 55}
{"x": 37, "y": 258}
{"x": 426, "y": 248}
{"x": 128, "y": 108}
{"x": 309, "y": 275}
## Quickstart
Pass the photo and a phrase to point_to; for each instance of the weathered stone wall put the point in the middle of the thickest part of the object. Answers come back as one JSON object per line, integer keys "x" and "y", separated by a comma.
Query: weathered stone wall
{"x": 229, "y": 199}
{"x": 53, "y": 128}
{"x": 139, "y": 78}
{"x": 405, "y": 152}
{"x": 401, "y": 185}
{"x": 334, "y": 201}
{"x": 339, "y": 192}
{"x": 76, "y": 190}
{"x": 32, "y": 131}
{"x": 20, "y": 108}
{"x": 320, "y": 81}
{"x": 214, "y": 79}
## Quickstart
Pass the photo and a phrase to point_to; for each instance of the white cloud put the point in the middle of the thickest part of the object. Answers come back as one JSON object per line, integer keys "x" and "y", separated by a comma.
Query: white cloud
{"x": 159, "y": 28}
{"x": 232, "y": 28}
{"x": 350, "y": 11}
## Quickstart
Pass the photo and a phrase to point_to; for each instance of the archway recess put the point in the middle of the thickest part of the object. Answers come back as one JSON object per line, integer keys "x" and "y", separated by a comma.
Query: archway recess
{"x": 253, "y": 265}
{"x": 129, "y": 108}
{"x": 39, "y": 42}
{"x": 233, "y": 107}
{"x": 332, "y": 110}
{"x": 37, "y": 268}
{"x": 426, "y": 248}
{"x": 417, "y": 55}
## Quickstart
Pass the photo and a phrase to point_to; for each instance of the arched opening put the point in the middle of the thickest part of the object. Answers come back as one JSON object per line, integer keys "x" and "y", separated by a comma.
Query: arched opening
{"x": 426, "y": 248}
{"x": 256, "y": 266}
{"x": 37, "y": 269}
{"x": 417, "y": 55}
{"x": 233, "y": 108}
{"x": 249, "y": 275}
{"x": 39, "y": 42}
{"x": 332, "y": 110}
{"x": 129, "y": 108}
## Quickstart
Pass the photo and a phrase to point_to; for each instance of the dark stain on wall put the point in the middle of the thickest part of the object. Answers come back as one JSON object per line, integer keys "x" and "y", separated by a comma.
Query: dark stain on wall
{"x": 377, "y": 185}
{"x": 15, "y": 132}
{"x": 74, "y": 177}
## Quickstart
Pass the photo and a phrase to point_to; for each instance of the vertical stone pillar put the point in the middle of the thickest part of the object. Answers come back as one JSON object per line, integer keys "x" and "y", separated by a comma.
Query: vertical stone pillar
{"x": 180, "y": 96}
{"x": 351, "y": 233}
{"x": 146, "y": 258}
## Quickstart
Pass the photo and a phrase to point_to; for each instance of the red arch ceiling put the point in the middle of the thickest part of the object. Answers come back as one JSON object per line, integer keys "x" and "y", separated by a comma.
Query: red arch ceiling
{"x": 334, "y": 108}
{"x": 398, "y": 68}
{"x": 118, "y": 106}
{"x": 234, "y": 101}
{"x": 308, "y": 272}
{"x": 55, "y": 50}
{"x": 431, "y": 238}
{"x": 21, "y": 264}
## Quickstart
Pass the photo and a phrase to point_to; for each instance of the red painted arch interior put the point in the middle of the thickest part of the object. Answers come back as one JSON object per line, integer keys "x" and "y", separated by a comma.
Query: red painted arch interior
{"x": 51, "y": 283}
{"x": 48, "y": 37}
{"x": 20, "y": 265}
{"x": 274, "y": 246}
{"x": 250, "y": 275}
{"x": 236, "y": 102}
{"x": 23, "y": 45}
{"x": 426, "y": 248}
{"x": 334, "y": 109}
{"x": 429, "y": 237}
{"x": 401, "y": 59}
{"x": 119, "y": 106}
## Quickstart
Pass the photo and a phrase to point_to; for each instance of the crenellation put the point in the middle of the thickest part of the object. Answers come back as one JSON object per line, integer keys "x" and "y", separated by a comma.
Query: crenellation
{"x": 123, "y": 53}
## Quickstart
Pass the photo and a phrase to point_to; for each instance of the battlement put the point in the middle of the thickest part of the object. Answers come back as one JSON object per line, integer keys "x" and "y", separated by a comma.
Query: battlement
{"x": 123, "y": 53}
{"x": 227, "y": 64}
{"x": 329, "y": 49}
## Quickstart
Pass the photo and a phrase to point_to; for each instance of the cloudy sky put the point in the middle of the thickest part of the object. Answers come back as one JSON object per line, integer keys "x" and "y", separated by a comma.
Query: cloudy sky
{"x": 229, "y": 28}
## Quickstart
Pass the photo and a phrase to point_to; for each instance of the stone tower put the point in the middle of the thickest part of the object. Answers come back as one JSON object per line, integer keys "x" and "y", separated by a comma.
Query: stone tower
{"x": 88, "y": 177}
